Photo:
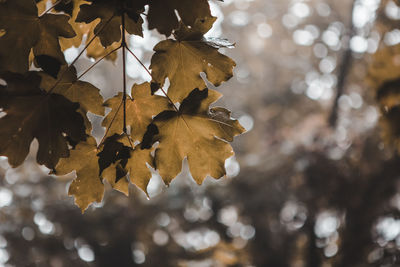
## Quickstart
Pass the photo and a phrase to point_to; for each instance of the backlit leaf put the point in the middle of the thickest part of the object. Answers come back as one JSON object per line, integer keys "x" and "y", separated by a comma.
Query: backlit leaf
{"x": 109, "y": 12}
{"x": 162, "y": 15}
{"x": 118, "y": 159}
{"x": 182, "y": 60}
{"x": 32, "y": 113}
{"x": 140, "y": 109}
{"x": 87, "y": 187}
{"x": 196, "y": 132}
{"x": 40, "y": 33}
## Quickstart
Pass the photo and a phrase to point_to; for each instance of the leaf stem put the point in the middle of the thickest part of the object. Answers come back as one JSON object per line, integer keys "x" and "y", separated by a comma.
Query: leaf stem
{"x": 50, "y": 8}
{"x": 109, "y": 126}
{"x": 130, "y": 142}
{"x": 98, "y": 61}
{"x": 123, "y": 44}
{"x": 79, "y": 55}
{"x": 148, "y": 71}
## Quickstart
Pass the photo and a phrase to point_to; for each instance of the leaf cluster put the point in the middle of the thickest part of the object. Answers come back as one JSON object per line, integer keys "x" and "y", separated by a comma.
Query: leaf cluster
{"x": 43, "y": 98}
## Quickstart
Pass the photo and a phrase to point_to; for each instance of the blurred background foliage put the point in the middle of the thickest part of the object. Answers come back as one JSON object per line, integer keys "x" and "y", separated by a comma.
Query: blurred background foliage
{"x": 315, "y": 181}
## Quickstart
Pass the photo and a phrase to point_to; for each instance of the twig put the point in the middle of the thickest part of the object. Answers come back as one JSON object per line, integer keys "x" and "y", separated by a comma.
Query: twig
{"x": 148, "y": 71}
{"x": 129, "y": 140}
{"x": 79, "y": 55}
{"x": 97, "y": 62}
{"x": 123, "y": 44}
{"x": 342, "y": 76}
{"x": 109, "y": 125}
{"x": 50, "y": 8}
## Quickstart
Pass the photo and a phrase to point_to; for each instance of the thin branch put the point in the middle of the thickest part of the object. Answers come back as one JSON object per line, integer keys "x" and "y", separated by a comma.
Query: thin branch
{"x": 79, "y": 55}
{"x": 123, "y": 44}
{"x": 50, "y": 8}
{"x": 97, "y": 62}
{"x": 148, "y": 71}
{"x": 345, "y": 66}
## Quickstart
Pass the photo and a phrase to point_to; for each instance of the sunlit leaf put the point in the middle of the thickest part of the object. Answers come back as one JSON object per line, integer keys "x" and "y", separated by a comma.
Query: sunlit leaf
{"x": 140, "y": 109}
{"x": 196, "y": 132}
{"x": 184, "y": 59}
{"x": 87, "y": 187}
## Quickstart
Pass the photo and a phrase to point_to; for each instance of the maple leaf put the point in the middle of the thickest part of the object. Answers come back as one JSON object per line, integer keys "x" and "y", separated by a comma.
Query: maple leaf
{"x": 182, "y": 60}
{"x": 121, "y": 184}
{"x": 87, "y": 187}
{"x": 71, "y": 7}
{"x": 95, "y": 49}
{"x": 110, "y": 12}
{"x": 32, "y": 113}
{"x": 47, "y": 50}
{"x": 87, "y": 95}
{"x": 112, "y": 161}
{"x": 40, "y": 33}
{"x": 118, "y": 159}
{"x": 140, "y": 109}
{"x": 196, "y": 132}
{"x": 161, "y": 15}
{"x": 16, "y": 17}
{"x": 113, "y": 151}
{"x": 139, "y": 173}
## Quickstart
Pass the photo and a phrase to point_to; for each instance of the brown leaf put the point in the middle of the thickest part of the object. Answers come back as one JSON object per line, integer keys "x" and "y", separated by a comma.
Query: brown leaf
{"x": 162, "y": 15}
{"x": 32, "y": 113}
{"x": 110, "y": 19}
{"x": 40, "y": 33}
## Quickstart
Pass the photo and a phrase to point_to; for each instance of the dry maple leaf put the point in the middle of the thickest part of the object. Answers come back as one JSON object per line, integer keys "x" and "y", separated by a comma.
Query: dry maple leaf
{"x": 40, "y": 33}
{"x": 196, "y": 132}
{"x": 162, "y": 15}
{"x": 140, "y": 109}
{"x": 32, "y": 113}
{"x": 182, "y": 60}
{"x": 109, "y": 12}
